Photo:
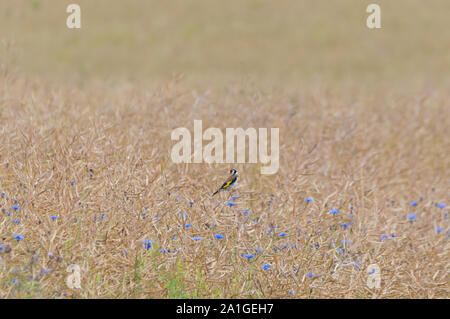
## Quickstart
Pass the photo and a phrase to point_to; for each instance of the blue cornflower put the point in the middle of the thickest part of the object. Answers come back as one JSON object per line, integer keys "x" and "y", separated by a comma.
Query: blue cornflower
{"x": 72, "y": 183}
{"x": 291, "y": 292}
{"x": 352, "y": 208}
{"x": 187, "y": 225}
{"x": 15, "y": 207}
{"x": 45, "y": 271}
{"x": 248, "y": 256}
{"x": 393, "y": 235}
{"x": 412, "y": 216}
{"x": 258, "y": 250}
{"x": 344, "y": 225}
{"x": 16, "y": 221}
{"x": 18, "y": 237}
{"x": 282, "y": 235}
{"x": 147, "y": 244}
{"x": 218, "y": 236}
{"x": 247, "y": 212}
{"x": 53, "y": 217}
{"x": 384, "y": 237}
{"x": 266, "y": 267}
{"x": 191, "y": 203}
{"x": 308, "y": 199}
{"x": 15, "y": 280}
{"x": 125, "y": 252}
{"x": 310, "y": 275}
{"x": 372, "y": 271}
{"x": 439, "y": 229}
{"x": 346, "y": 242}
{"x": 339, "y": 250}
{"x": 230, "y": 203}
{"x": 197, "y": 238}
{"x": 440, "y": 205}
{"x": 50, "y": 255}
{"x": 413, "y": 204}
{"x": 334, "y": 211}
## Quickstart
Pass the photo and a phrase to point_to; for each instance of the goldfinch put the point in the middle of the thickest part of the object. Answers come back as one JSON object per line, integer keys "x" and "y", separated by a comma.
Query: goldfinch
{"x": 230, "y": 183}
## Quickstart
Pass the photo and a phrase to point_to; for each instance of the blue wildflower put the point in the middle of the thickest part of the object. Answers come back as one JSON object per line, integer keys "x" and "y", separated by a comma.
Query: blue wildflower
{"x": 18, "y": 237}
{"x": 440, "y": 205}
{"x": 247, "y": 212}
{"x": 308, "y": 199}
{"x": 53, "y": 217}
{"x": 346, "y": 242}
{"x": 15, "y": 207}
{"x": 334, "y": 211}
{"x": 16, "y": 221}
{"x": 372, "y": 271}
{"x": 384, "y": 237}
{"x": 310, "y": 275}
{"x": 393, "y": 235}
{"x": 291, "y": 292}
{"x": 258, "y": 250}
{"x": 413, "y": 204}
{"x": 439, "y": 229}
{"x": 15, "y": 280}
{"x": 412, "y": 216}
{"x": 218, "y": 236}
{"x": 125, "y": 252}
{"x": 248, "y": 256}
{"x": 191, "y": 203}
{"x": 282, "y": 234}
{"x": 187, "y": 225}
{"x": 266, "y": 266}
{"x": 197, "y": 238}
{"x": 230, "y": 203}
{"x": 72, "y": 183}
{"x": 147, "y": 244}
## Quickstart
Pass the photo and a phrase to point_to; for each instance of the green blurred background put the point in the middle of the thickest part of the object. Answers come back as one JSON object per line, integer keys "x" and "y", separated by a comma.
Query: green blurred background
{"x": 276, "y": 41}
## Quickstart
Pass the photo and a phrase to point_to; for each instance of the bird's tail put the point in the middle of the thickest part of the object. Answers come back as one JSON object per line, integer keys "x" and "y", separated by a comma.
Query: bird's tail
{"x": 216, "y": 192}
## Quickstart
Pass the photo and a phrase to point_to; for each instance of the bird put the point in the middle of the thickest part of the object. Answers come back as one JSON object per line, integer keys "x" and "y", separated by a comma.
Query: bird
{"x": 230, "y": 183}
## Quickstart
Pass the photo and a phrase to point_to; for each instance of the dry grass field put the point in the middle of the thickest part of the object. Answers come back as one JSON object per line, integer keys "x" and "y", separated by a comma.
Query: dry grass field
{"x": 86, "y": 176}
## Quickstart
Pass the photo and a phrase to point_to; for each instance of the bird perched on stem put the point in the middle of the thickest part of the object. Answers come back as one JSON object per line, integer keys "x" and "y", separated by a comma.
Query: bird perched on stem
{"x": 230, "y": 183}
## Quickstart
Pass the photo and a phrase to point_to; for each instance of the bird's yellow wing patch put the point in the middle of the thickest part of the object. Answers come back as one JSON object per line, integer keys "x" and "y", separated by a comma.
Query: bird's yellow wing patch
{"x": 226, "y": 184}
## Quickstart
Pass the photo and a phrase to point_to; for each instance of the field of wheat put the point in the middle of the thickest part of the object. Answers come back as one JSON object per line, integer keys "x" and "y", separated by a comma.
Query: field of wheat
{"x": 361, "y": 196}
